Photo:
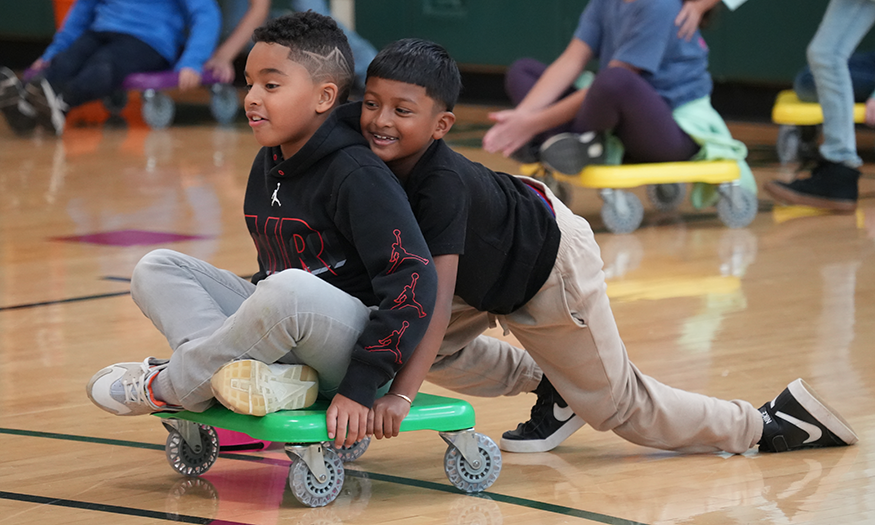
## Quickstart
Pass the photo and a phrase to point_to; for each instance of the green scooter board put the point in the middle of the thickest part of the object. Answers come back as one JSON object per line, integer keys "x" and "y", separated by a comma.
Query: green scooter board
{"x": 472, "y": 461}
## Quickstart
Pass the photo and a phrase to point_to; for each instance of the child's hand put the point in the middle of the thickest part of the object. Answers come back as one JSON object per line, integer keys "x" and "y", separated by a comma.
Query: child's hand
{"x": 512, "y": 130}
{"x": 223, "y": 70}
{"x": 188, "y": 78}
{"x": 691, "y": 14}
{"x": 346, "y": 418}
{"x": 39, "y": 64}
{"x": 384, "y": 419}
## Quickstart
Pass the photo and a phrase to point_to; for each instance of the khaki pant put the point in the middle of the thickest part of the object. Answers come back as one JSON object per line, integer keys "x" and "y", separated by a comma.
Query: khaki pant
{"x": 569, "y": 332}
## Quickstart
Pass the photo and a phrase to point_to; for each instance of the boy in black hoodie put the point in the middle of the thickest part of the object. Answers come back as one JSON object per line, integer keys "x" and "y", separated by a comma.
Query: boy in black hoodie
{"x": 510, "y": 252}
{"x": 345, "y": 284}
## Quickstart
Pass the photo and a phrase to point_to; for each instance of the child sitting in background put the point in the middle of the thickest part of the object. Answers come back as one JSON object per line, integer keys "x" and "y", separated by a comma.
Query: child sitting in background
{"x": 652, "y": 92}
{"x": 507, "y": 251}
{"x": 345, "y": 283}
{"x": 102, "y": 42}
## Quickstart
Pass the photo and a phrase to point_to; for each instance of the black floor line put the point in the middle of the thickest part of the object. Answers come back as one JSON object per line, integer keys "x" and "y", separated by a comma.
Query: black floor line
{"x": 429, "y": 485}
{"x": 62, "y": 301}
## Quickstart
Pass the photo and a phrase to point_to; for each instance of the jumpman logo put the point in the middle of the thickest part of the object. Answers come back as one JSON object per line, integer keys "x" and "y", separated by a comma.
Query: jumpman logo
{"x": 390, "y": 343}
{"x": 274, "y": 198}
{"x": 399, "y": 254}
{"x": 407, "y": 298}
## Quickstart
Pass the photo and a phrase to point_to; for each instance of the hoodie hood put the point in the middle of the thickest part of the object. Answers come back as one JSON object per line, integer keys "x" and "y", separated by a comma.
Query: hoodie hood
{"x": 339, "y": 131}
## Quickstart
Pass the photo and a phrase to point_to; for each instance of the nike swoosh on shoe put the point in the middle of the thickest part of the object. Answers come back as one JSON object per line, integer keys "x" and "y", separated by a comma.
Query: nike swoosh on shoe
{"x": 562, "y": 414}
{"x": 813, "y": 431}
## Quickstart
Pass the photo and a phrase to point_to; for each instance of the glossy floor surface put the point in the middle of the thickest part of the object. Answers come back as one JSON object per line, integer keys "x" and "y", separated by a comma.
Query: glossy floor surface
{"x": 728, "y": 313}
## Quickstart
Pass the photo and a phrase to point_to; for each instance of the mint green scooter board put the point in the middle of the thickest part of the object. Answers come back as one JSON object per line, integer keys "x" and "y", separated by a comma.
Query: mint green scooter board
{"x": 472, "y": 461}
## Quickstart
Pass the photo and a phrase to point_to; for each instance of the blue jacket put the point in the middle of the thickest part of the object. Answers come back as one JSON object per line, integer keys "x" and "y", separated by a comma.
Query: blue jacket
{"x": 185, "y": 32}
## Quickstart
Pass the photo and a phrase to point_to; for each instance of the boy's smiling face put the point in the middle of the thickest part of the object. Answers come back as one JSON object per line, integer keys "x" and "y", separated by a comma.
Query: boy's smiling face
{"x": 400, "y": 122}
{"x": 283, "y": 103}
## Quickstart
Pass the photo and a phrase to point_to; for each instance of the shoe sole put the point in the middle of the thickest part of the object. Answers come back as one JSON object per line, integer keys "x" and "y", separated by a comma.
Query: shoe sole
{"x": 567, "y": 153}
{"x": 822, "y": 412}
{"x": 785, "y": 195}
{"x": 257, "y": 388}
{"x": 543, "y": 445}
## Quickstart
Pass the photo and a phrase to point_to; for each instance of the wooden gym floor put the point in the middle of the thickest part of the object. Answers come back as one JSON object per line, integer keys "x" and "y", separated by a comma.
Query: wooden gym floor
{"x": 728, "y": 313}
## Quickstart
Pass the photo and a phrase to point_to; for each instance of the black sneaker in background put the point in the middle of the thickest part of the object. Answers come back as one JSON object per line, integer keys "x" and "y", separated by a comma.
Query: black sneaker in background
{"x": 552, "y": 422}
{"x": 51, "y": 111}
{"x": 18, "y": 113}
{"x": 832, "y": 186}
{"x": 799, "y": 419}
{"x": 569, "y": 153}
{"x": 526, "y": 154}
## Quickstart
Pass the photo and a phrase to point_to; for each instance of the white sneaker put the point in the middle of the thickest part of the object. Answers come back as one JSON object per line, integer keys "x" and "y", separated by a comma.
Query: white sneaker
{"x": 20, "y": 115}
{"x": 51, "y": 110}
{"x": 257, "y": 388}
{"x": 124, "y": 389}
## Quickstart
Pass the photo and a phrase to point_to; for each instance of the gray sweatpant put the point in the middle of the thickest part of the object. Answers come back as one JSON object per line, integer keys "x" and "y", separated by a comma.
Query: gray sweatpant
{"x": 568, "y": 328}
{"x": 211, "y": 317}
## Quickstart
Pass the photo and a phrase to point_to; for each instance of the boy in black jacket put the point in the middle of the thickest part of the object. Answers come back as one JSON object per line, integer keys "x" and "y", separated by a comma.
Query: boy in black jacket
{"x": 345, "y": 284}
{"x": 507, "y": 250}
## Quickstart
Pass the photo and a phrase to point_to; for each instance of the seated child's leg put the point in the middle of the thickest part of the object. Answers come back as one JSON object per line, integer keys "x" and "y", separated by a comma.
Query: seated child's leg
{"x": 184, "y": 297}
{"x": 67, "y": 64}
{"x": 292, "y": 317}
{"x": 291, "y": 312}
{"x": 521, "y": 76}
{"x": 622, "y": 101}
{"x": 106, "y": 68}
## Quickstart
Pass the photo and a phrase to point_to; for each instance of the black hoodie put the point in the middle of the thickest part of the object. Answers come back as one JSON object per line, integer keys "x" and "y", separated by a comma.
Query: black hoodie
{"x": 335, "y": 210}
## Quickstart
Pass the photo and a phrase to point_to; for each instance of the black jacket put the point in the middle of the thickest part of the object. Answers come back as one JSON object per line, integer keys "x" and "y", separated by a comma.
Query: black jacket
{"x": 335, "y": 210}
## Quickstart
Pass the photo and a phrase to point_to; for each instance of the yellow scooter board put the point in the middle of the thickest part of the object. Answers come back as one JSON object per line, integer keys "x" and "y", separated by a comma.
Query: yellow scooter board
{"x": 798, "y": 122}
{"x": 622, "y": 212}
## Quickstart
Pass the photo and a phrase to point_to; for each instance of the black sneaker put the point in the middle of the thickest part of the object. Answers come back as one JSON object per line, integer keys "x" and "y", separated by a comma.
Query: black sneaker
{"x": 798, "y": 419}
{"x": 19, "y": 114}
{"x": 569, "y": 153}
{"x": 551, "y": 422}
{"x": 51, "y": 111}
{"x": 526, "y": 154}
{"x": 832, "y": 186}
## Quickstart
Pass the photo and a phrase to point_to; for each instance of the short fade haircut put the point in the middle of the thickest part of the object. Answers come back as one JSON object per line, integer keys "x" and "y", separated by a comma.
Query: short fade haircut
{"x": 422, "y": 63}
{"x": 317, "y": 43}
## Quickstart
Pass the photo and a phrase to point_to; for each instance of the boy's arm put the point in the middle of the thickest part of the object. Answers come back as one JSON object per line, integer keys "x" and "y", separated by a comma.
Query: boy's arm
{"x": 373, "y": 213}
{"x": 204, "y": 21}
{"x": 540, "y": 110}
{"x": 78, "y": 20}
{"x": 384, "y": 419}
{"x": 222, "y": 61}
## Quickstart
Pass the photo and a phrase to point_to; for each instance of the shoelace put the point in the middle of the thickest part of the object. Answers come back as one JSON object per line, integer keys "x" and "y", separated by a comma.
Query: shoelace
{"x": 539, "y": 410}
{"x": 135, "y": 390}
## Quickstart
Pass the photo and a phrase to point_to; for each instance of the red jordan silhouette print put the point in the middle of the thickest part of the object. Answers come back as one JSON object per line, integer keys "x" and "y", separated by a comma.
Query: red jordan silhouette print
{"x": 399, "y": 254}
{"x": 407, "y": 298}
{"x": 390, "y": 343}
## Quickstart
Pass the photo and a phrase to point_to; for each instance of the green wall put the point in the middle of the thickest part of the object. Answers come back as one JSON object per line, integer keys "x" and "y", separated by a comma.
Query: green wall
{"x": 26, "y": 20}
{"x": 763, "y": 41}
